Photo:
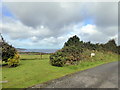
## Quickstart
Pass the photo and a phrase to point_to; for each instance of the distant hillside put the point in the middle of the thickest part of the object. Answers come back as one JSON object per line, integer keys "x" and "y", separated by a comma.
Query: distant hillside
{"x": 37, "y": 50}
{"x": 20, "y": 49}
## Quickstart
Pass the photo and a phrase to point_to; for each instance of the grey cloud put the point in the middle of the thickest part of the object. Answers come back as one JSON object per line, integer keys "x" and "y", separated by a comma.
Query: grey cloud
{"x": 56, "y": 15}
{"x": 104, "y": 13}
{"x": 53, "y": 15}
{"x": 109, "y": 31}
{"x": 59, "y": 19}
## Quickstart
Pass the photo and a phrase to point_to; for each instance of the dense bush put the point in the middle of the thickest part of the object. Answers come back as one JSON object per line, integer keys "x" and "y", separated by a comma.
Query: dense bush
{"x": 58, "y": 59}
{"x": 111, "y": 46}
{"x": 14, "y": 61}
{"x": 73, "y": 49}
{"x": 73, "y": 54}
{"x": 72, "y": 41}
{"x": 9, "y": 53}
{"x": 118, "y": 48}
{"x": 69, "y": 54}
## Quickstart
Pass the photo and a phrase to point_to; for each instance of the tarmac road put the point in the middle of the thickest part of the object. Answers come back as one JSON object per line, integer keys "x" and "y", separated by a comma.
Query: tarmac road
{"x": 103, "y": 76}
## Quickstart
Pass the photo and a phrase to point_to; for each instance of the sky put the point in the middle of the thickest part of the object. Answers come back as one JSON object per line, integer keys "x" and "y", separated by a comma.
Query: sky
{"x": 47, "y": 25}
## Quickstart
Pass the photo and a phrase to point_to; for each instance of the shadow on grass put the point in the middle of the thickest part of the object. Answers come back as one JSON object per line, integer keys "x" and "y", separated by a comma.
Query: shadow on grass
{"x": 1, "y": 65}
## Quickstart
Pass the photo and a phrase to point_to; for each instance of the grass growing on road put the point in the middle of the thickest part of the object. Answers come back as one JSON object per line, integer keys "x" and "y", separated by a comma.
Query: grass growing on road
{"x": 34, "y": 70}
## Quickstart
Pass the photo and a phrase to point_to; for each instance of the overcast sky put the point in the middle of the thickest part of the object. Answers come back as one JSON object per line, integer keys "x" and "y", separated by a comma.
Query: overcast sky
{"x": 47, "y": 25}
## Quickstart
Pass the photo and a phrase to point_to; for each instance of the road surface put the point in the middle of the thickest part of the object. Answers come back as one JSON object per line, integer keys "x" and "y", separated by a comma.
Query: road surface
{"x": 103, "y": 76}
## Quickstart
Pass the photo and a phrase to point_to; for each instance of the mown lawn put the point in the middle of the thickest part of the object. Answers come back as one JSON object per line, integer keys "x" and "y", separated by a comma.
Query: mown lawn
{"x": 34, "y": 70}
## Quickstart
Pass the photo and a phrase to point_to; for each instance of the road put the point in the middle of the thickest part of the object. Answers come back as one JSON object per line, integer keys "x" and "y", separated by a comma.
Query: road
{"x": 103, "y": 76}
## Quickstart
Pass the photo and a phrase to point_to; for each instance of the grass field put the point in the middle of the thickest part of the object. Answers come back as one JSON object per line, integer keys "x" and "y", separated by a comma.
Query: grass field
{"x": 33, "y": 70}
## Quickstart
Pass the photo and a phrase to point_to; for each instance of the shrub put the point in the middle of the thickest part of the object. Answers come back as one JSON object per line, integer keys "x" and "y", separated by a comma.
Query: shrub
{"x": 72, "y": 51}
{"x": 73, "y": 54}
{"x": 72, "y": 41}
{"x": 58, "y": 59}
{"x": 9, "y": 53}
{"x": 118, "y": 48}
{"x": 14, "y": 61}
{"x": 68, "y": 55}
{"x": 111, "y": 46}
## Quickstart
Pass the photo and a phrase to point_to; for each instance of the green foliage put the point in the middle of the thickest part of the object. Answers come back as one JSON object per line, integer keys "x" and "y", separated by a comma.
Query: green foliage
{"x": 89, "y": 45}
{"x": 57, "y": 59}
{"x": 111, "y": 46}
{"x": 72, "y": 41}
{"x": 118, "y": 48}
{"x": 9, "y": 53}
{"x": 73, "y": 54}
{"x": 73, "y": 49}
{"x": 70, "y": 54}
{"x": 14, "y": 61}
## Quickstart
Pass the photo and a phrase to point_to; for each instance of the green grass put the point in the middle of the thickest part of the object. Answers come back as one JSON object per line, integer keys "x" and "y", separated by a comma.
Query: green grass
{"x": 34, "y": 70}
{"x": 33, "y": 57}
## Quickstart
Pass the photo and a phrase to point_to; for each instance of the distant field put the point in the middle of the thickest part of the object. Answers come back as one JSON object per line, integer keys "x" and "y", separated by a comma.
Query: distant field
{"x": 33, "y": 57}
{"x": 34, "y": 70}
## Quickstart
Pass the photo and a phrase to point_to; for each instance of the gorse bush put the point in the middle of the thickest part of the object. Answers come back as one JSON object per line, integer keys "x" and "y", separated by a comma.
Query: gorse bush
{"x": 111, "y": 46}
{"x": 118, "y": 48}
{"x": 69, "y": 54}
{"x": 73, "y": 49}
{"x": 14, "y": 61}
{"x": 58, "y": 59}
{"x": 9, "y": 53}
{"x": 73, "y": 54}
{"x": 72, "y": 41}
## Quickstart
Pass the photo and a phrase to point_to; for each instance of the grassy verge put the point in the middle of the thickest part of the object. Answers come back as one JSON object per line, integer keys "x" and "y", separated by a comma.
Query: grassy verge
{"x": 34, "y": 70}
